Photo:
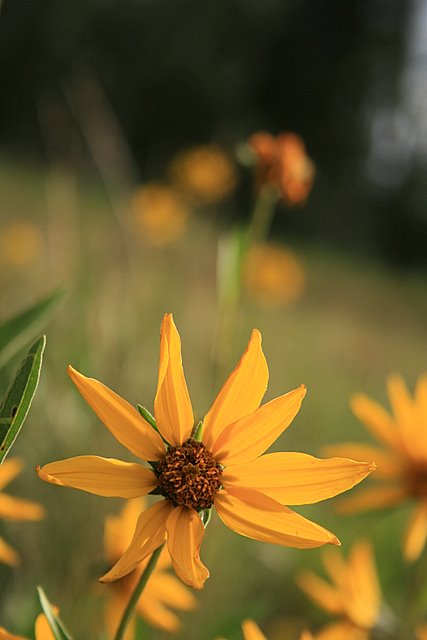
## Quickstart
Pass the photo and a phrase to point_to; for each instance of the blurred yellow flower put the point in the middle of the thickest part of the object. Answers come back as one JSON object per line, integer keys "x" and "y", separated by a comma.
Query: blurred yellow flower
{"x": 12, "y": 508}
{"x": 402, "y": 464}
{"x": 273, "y": 275}
{"x": 159, "y": 213}
{"x": 42, "y": 631}
{"x": 421, "y": 633}
{"x": 20, "y": 244}
{"x": 163, "y": 591}
{"x": 222, "y": 466}
{"x": 354, "y": 594}
{"x": 283, "y": 163}
{"x": 206, "y": 173}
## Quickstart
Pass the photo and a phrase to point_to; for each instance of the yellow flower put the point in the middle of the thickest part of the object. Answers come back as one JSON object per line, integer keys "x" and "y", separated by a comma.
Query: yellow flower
{"x": 159, "y": 213}
{"x": 354, "y": 594}
{"x": 42, "y": 631}
{"x": 402, "y": 464}
{"x": 20, "y": 244}
{"x": 12, "y": 508}
{"x": 224, "y": 467}
{"x": 206, "y": 173}
{"x": 273, "y": 275}
{"x": 163, "y": 591}
{"x": 283, "y": 163}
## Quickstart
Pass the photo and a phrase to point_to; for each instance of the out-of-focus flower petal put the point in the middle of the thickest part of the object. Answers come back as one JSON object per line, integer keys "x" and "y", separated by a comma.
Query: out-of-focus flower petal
{"x": 17, "y": 509}
{"x": 416, "y": 533}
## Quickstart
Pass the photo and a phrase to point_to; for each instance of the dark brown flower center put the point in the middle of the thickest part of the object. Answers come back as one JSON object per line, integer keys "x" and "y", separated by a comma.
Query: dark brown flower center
{"x": 189, "y": 475}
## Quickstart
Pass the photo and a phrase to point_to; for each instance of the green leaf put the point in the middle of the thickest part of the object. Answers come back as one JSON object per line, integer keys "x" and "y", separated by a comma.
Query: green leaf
{"x": 57, "y": 626}
{"x": 17, "y": 401}
{"x": 14, "y": 333}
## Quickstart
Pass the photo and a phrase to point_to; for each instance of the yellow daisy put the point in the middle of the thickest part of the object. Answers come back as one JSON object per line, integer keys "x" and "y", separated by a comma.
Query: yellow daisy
{"x": 12, "y": 508}
{"x": 41, "y": 628}
{"x": 163, "y": 591}
{"x": 221, "y": 465}
{"x": 354, "y": 595}
{"x": 402, "y": 464}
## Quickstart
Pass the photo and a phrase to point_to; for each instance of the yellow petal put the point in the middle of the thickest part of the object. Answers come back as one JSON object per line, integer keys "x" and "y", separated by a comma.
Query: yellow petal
{"x": 335, "y": 566}
{"x": 185, "y": 534}
{"x": 8, "y": 555}
{"x": 342, "y": 631}
{"x": 251, "y": 631}
{"x": 421, "y": 393}
{"x": 387, "y": 464}
{"x": 124, "y": 422}
{"x": 16, "y": 509}
{"x": 149, "y": 535}
{"x": 5, "y": 635}
{"x": 101, "y": 476}
{"x": 172, "y": 406}
{"x": 119, "y": 529}
{"x": 257, "y": 516}
{"x": 157, "y": 614}
{"x": 297, "y": 478}
{"x": 421, "y": 632}
{"x": 42, "y": 628}
{"x": 373, "y": 498}
{"x": 9, "y": 469}
{"x": 306, "y": 635}
{"x": 362, "y": 597}
{"x": 168, "y": 589}
{"x": 414, "y": 440}
{"x": 241, "y": 394}
{"x": 323, "y": 594}
{"x": 249, "y": 437}
{"x": 416, "y": 533}
{"x": 376, "y": 418}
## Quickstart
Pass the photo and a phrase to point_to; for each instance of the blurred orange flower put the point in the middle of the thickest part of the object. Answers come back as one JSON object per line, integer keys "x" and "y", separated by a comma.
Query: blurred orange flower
{"x": 20, "y": 244}
{"x": 283, "y": 163}
{"x": 402, "y": 464}
{"x": 354, "y": 594}
{"x": 221, "y": 464}
{"x": 162, "y": 592}
{"x": 12, "y": 508}
{"x": 207, "y": 173}
{"x": 273, "y": 275}
{"x": 42, "y": 631}
{"x": 159, "y": 213}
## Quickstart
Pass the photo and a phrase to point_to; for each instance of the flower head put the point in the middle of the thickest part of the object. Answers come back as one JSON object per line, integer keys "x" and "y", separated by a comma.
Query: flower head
{"x": 207, "y": 174}
{"x": 163, "y": 592}
{"x": 273, "y": 275}
{"x": 12, "y": 508}
{"x": 219, "y": 465}
{"x": 283, "y": 163}
{"x": 402, "y": 463}
{"x": 353, "y": 595}
{"x": 159, "y": 213}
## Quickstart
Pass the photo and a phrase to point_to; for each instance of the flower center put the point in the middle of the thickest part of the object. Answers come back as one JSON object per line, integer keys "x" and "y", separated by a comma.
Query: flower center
{"x": 189, "y": 476}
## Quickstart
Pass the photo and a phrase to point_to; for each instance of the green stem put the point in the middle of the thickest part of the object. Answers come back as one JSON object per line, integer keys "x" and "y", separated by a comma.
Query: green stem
{"x": 137, "y": 593}
{"x": 262, "y": 215}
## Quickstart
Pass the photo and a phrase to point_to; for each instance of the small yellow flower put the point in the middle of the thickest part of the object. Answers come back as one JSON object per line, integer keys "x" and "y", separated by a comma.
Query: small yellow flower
{"x": 354, "y": 594}
{"x": 402, "y": 464}
{"x": 224, "y": 467}
{"x": 283, "y": 163}
{"x": 273, "y": 275}
{"x": 163, "y": 591}
{"x": 206, "y": 173}
{"x": 42, "y": 631}
{"x": 12, "y": 508}
{"x": 20, "y": 244}
{"x": 159, "y": 213}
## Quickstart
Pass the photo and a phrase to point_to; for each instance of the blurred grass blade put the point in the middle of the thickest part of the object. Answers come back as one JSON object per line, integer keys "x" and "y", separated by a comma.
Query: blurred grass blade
{"x": 17, "y": 401}
{"x": 57, "y": 626}
{"x": 14, "y": 333}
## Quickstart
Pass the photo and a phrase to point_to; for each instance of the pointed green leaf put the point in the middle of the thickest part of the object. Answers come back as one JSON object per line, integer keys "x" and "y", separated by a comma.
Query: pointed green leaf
{"x": 57, "y": 626}
{"x": 17, "y": 401}
{"x": 14, "y": 333}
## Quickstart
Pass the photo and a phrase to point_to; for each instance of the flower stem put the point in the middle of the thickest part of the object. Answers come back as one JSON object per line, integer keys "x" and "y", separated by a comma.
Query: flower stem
{"x": 262, "y": 215}
{"x": 136, "y": 594}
